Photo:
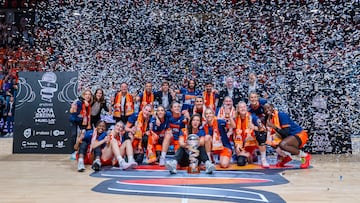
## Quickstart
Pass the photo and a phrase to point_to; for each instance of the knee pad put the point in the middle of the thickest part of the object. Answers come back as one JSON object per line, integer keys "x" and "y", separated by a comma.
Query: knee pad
{"x": 144, "y": 141}
{"x": 261, "y": 138}
{"x": 161, "y": 140}
{"x": 241, "y": 160}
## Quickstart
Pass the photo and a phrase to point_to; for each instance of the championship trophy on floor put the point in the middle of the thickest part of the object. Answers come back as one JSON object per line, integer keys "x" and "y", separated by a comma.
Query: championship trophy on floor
{"x": 192, "y": 142}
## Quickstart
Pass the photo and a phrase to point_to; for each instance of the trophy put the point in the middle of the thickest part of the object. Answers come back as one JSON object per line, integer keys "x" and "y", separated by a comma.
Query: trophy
{"x": 192, "y": 142}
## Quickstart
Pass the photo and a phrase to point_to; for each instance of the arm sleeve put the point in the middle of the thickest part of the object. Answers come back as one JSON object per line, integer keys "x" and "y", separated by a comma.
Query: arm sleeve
{"x": 284, "y": 132}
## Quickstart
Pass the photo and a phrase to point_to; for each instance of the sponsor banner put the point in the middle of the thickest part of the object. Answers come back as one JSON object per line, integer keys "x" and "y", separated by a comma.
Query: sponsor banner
{"x": 42, "y": 112}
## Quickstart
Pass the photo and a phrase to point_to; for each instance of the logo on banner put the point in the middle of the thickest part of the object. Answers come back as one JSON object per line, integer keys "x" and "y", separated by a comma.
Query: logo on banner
{"x": 44, "y": 144}
{"x": 29, "y": 145}
{"x": 45, "y": 115}
{"x": 60, "y": 144}
{"x": 27, "y": 133}
{"x": 48, "y": 85}
{"x": 58, "y": 133}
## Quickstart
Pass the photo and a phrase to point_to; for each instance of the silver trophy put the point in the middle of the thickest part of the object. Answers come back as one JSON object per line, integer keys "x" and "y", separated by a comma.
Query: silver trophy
{"x": 192, "y": 142}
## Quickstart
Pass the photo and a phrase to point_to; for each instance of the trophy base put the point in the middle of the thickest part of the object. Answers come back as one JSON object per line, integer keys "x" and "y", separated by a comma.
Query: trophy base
{"x": 192, "y": 170}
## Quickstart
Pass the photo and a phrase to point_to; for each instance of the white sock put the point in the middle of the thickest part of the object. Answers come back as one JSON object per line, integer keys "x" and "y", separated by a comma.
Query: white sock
{"x": 209, "y": 155}
{"x": 300, "y": 155}
{"x": 131, "y": 159}
{"x": 163, "y": 154}
{"x": 287, "y": 153}
{"x": 263, "y": 155}
{"x": 120, "y": 158}
{"x": 81, "y": 160}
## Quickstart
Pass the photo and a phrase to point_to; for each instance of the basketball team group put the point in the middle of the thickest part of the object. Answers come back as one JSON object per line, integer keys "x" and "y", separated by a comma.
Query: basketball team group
{"x": 233, "y": 125}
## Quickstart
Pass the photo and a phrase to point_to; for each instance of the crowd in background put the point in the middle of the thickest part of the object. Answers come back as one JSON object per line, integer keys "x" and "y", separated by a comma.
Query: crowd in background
{"x": 301, "y": 51}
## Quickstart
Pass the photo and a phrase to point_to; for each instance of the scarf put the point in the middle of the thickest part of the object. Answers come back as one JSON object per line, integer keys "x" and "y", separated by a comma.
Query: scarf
{"x": 129, "y": 105}
{"x": 275, "y": 121}
{"x": 223, "y": 115}
{"x": 209, "y": 99}
{"x": 185, "y": 134}
{"x": 273, "y": 138}
{"x": 241, "y": 136}
{"x": 216, "y": 142}
{"x": 85, "y": 113}
{"x": 147, "y": 99}
{"x": 141, "y": 126}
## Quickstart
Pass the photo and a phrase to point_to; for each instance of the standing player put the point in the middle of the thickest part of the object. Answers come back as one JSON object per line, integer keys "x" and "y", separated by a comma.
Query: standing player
{"x": 80, "y": 116}
{"x": 257, "y": 107}
{"x": 189, "y": 94}
{"x": 210, "y": 96}
{"x": 147, "y": 97}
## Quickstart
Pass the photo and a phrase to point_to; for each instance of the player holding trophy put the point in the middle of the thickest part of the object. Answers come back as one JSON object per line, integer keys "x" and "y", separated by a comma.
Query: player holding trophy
{"x": 192, "y": 150}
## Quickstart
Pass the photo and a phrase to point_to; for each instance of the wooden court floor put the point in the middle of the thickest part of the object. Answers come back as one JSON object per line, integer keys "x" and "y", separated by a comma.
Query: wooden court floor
{"x": 53, "y": 178}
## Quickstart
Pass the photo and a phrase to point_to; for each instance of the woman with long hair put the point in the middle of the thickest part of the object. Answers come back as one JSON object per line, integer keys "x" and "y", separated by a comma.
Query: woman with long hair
{"x": 182, "y": 156}
{"x": 98, "y": 104}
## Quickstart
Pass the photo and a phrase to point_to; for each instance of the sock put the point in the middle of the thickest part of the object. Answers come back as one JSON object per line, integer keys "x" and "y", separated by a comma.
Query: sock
{"x": 287, "y": 153}
{"x": 300, "y": 155}
{"x": 131, "y": 158}
{"x": 81, "y": 160}
{"x": 163, "y": 154}
{"x": 263, "y": 155}
{"x": 209, "y": 155}
{"x": 120, "y": 158}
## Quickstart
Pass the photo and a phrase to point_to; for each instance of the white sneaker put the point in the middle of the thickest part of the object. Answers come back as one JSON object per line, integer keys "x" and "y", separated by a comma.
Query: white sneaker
{"x": 209, "y": 167}
{"x": 264, "y": 163}
{"x": 133, "y": 164}
{"x": 81, "y": 166}
{"x": 96, "y": 166}
{"x": 171, "y": 166}
{"x": 162, "y": 161}
{"x": 123, "y": 165}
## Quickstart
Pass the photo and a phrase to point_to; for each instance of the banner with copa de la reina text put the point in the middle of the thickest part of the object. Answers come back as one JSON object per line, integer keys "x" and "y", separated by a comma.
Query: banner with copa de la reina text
{"x": 42, "y": 112}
